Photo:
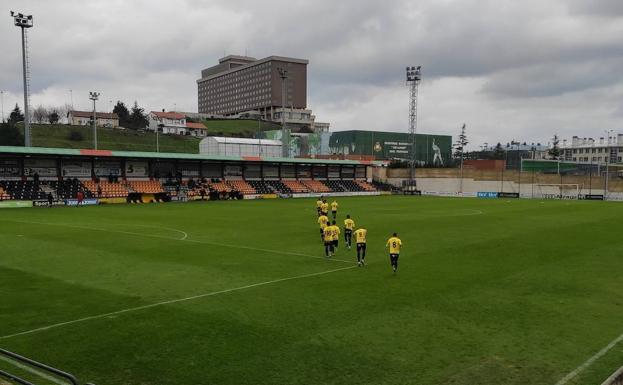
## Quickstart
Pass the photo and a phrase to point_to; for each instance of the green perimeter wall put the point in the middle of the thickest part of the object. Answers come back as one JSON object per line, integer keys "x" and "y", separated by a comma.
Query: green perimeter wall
{"x": 390, "y": 145}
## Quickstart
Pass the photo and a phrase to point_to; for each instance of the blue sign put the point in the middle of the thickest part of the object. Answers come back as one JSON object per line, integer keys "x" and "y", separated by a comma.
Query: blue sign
{"x": 487, "y": 194}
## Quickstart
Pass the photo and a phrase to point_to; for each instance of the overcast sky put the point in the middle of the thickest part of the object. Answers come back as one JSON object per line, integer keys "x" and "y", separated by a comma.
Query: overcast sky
{"x": 509, "y": 69}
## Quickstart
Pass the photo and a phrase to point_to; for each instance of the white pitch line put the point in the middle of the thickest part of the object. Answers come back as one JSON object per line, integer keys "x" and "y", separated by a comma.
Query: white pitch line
{"x": 34, "y": 371}
{"x": 185, "y": 239}
{"x": 590, "y": 361}
{"x": 143, "y": 307}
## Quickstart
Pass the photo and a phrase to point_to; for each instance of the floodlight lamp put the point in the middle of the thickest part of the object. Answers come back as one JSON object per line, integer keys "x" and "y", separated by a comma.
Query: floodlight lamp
{"x": 12, "y": 13}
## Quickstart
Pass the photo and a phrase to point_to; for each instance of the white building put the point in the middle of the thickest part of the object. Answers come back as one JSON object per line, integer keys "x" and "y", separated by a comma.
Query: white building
{"x": 171, "y": 122}
{"x": 85, "y": 118}
{"x": 588, "y": 150}
{"x": 223, "y": 146}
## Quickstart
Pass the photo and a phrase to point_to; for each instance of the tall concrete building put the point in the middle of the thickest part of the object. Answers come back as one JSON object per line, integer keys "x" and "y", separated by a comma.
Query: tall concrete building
{"x": 239, "y": 84}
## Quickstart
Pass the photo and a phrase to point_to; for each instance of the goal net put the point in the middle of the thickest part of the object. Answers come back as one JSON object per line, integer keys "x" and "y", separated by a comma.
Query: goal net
{"x": 557, "y": 190}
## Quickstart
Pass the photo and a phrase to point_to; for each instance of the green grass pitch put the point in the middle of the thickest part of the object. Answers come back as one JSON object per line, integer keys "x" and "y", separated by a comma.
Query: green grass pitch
{"x": 487, "y": 292}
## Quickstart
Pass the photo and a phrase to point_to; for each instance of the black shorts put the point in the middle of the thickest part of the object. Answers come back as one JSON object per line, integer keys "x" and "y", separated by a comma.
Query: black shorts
{"x": 394, "y": 257}
{"x": 328, "y": 243}
{"x": 335, "y": 243}
{"x": 321, "y": 231}
{"x": 324, "y": 213}
{"x": 349, "y": 232}
{"x": 361, "y": 247}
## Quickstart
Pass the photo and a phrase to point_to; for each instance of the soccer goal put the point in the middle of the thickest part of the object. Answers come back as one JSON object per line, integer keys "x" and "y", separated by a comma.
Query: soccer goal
{"x": 558, "y": 190}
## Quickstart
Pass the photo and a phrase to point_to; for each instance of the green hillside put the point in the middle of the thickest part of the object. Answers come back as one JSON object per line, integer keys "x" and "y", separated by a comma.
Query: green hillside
{"x": 245, "y": 128}
{"x": 58, "y": 135}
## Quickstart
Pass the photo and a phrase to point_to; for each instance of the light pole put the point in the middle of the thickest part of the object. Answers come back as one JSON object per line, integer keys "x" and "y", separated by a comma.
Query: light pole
{"x": 285, "y": 134}
{"x": 93, "y": 96}
{"x": 159, "y": 128}
{"x": 608, "y": 133}
{"x": 414, "y": 77}
{"x": 24, "y": 22}
{"x": 2, "y": 103}
{"x": 71, "y": 98}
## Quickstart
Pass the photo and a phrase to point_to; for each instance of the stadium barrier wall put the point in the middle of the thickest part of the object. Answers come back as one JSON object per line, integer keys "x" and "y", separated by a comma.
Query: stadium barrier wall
{"x": 15, "y": 204}
{"x": 336, "y": 194}
{"x": 85, "y": 202}
{"x": 615, "y": 379}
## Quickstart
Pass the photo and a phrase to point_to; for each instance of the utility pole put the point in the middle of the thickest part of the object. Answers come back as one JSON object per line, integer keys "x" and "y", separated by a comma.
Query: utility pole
{"x": 25, "y": 22}
{"x": 414, "y": 78}
{"x": 93, "y": 96}
{"x": 462, "y": 143}
{"x": 285, "y": 133}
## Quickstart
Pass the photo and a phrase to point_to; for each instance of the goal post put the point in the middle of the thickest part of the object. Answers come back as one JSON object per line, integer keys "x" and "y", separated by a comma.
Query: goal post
{"x": 558, "y": 190}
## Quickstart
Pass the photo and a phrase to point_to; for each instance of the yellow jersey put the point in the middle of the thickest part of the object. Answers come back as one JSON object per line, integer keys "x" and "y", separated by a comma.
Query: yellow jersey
{"x": 334, "y": 206}
{"x": 360, "y": 235}
{"x": 322, "y": 221}
{"x": 336, "y": 232}
{"x": 327, "y": 234}
{"x": 318, "y": 203}
{"x": 394, "y": 244}
{"x": 349, "y": 224}
{"x": 324, "y": 207}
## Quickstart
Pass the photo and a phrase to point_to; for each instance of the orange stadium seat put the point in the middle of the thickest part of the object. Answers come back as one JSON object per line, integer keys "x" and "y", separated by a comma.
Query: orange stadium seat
{"x": 109, "y": 190}
{"x": 365, "y": 185}
{"x": 296, "y": 186}
{"x": 316, "y": 186}
{"x": 146, "y": 187}
{"x": 241, "y": 186}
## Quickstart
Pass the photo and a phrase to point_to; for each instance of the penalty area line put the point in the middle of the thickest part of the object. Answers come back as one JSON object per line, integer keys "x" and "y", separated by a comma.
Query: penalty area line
{"x": 172, "y": 301}
{"x": 183, "y": 239}
{"x": 590, "y": 361}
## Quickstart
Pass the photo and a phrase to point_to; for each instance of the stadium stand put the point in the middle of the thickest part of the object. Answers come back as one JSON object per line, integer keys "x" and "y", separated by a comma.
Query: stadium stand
{"x": 262, "y": 187}
{"x": 23, "y": 190}
{"x": 364, "y": 185}
{"x": 316, "y": 186}
{"x": 4, "y": 195}
{"x": 242, "y": 186}
{"x": 295, "y": 186}
{"x": 146, "y": 187}
{"x": 109, "y": 190}
{"x": 68, "y": 189}
{"x": 334, "y": 185}
{"x": 279, "y": 187}
{"x": 219, "y": 186}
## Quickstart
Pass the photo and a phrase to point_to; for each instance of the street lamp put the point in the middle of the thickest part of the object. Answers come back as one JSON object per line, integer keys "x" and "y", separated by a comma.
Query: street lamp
{"x": 93, "y": 96}
{"x": 24, "y": 22}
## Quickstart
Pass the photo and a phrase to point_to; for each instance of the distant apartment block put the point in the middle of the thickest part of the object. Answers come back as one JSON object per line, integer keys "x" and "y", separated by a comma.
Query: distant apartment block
{"x": 242, "y": 83}
{"x": 588, "y": 150}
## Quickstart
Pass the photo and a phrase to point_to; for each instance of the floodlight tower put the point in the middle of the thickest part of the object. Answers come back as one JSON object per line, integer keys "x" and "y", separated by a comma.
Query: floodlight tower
{"x": 25, "y": 22}
{"x": 93, "y": 96}
{"x": 414, "y": 77}
{"x": 285, "y": 133}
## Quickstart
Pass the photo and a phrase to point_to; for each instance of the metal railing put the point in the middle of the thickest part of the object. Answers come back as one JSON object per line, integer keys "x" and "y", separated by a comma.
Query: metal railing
{"x": 22, "y": 361}
{"x": 615, "y": 379}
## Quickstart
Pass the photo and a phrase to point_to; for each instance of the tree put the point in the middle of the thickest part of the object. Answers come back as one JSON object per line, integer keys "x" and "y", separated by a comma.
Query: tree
{"x": 40, "y": 114}
{"x": 498, "y": 152}
{"x": 138, "y": 119}
{"x": 461, "y": 142}
{"x": 554, "y": 152}
{"x": 122, "y": 112}
{"x": 16, "y": 116}
{"x": 10, "y": 135}
{"x": 54, "y": 115}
